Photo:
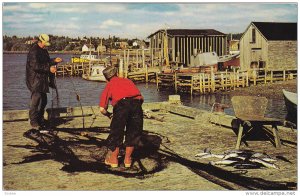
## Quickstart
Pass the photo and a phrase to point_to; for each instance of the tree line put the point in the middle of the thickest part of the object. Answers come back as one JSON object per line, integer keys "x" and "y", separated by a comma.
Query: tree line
{"x": 58, "y": 43}
{"x": 65, "y": 43}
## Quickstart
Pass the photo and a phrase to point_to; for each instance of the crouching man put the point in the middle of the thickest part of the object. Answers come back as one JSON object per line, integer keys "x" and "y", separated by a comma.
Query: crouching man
{"x": 127, "y": 101}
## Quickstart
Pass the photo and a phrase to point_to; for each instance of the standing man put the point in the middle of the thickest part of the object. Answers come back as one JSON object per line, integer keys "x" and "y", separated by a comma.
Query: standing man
{"x": 127, "y": 101}
{"x": 40, "y": 70}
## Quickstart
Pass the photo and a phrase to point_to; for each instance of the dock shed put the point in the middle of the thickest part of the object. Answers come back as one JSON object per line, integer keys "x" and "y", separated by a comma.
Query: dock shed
{"x": 269, "y": 45}
{"x": 181, "y": 44}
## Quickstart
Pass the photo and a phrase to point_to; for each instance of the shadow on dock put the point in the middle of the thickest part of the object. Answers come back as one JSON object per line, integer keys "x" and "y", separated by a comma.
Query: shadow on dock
{"x": 82, "y": 151}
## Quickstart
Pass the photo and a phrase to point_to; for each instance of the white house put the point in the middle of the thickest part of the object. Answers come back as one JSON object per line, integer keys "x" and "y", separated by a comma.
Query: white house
{"x": 88, "y": 47}
{"x": 135, "y": 44}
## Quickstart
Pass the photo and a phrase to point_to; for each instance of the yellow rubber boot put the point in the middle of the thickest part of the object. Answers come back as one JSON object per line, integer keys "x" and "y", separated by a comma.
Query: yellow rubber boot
{"x": 112, "y": 158}
{"x": 127, "y": 159}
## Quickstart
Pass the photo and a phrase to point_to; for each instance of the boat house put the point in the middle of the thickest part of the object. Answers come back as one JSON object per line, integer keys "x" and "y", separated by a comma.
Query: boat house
{"x": 269, "y": 45}
{"x": 180, "y": 44}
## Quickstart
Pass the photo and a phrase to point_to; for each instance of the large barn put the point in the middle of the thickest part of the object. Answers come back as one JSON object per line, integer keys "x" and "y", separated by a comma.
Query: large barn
{"x": 269, "y": 45}
{"x": 182, "y": 43}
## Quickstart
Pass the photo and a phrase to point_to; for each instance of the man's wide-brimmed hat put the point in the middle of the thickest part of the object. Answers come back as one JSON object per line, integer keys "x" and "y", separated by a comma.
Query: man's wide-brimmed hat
{"x": 44, "y": 38}
{"x": 109, "y": 72}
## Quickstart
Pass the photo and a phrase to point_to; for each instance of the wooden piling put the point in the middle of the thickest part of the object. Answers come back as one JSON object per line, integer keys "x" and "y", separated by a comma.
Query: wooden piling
{"x": 271, "y": 76}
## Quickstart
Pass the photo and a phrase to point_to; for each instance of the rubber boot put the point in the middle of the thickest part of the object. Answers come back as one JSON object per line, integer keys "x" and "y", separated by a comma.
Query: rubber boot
{"x": 127, "y": 159}
{"x": 112, "y": 158}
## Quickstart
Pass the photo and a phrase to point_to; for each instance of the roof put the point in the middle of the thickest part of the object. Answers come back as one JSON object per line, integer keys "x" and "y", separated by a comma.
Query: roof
{"x": 277, "y": 31}
{"x": 89, "y": 45}
{"x": 189, "y": 32}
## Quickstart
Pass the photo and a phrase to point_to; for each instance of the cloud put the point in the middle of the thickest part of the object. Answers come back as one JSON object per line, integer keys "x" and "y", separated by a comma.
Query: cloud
{"x": 110, "y": 23}
{"x": 154, "y": 7}
{"x": 9, "y": 7}
{"x": 138, "y": 19}
{"x": 38, "y": 5}
{"x": 23, "y": 18}
{"x": 74, "y": 18}
{"x": 95, "y": 8}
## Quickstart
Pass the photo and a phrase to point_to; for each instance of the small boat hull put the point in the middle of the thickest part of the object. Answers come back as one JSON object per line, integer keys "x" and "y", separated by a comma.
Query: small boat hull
{"x": 291, "y": 103}
{"x": 94, "y": 78}
{"x": 95, "y": 73}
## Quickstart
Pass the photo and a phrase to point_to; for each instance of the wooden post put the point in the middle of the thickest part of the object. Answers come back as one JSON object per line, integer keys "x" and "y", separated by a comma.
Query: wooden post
{"x": 247, "y": 78}
{"x": 212, "y": 76}
{"x": 226, "y": 79}
{"x": 145, "y": 66}
{"x": 157, "y": 85}
{"x": 159, "y": 59}
{"x": 240, "y": 135}
{"x": 178, "y": 57}
{"x": 237, "y": 78}
{"x": 254, "y": 76}
{"x": 121, "y": 69}
{"x": 222, "y": 81}
{"x": 266, "y": 76}
{"x": 127, "y": 62}
{"x": 151, "y": 52}
{"x": 203, "y": 82}
{"x": 200, "y": 83}
{"x": 231, "y": 79}
{"x": 124, "y": 54}
{"x": 166, "y": 46}
{"x": 125, "y": 65}
{"x": 71, "y": 70}
{"x": 271, "y": 76}
{"x": 234, "y": 79}
{"x": 283, "y": 75}
{"x": 209, "y": 82}
{"x": 243, "y": 79}
{"x": 276, "y": 136}
{"x": 137, "y": 57}
{"x": 175, "y": 82}
{"x": 192, "y": 84}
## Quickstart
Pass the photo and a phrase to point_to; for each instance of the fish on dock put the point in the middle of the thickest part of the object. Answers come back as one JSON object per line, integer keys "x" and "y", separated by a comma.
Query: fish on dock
{"x": 240, "y": 159}
{"x": 264, "y": 163}
{"x": 223, "y": 162}
{"x": 207, "y": 154}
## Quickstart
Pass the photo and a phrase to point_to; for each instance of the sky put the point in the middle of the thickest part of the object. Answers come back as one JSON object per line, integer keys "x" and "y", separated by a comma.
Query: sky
{"x": 137, "y": 19}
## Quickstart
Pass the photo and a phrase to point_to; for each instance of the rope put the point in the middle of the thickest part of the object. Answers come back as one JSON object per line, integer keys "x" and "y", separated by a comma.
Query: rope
{"x": 78, "y": 99}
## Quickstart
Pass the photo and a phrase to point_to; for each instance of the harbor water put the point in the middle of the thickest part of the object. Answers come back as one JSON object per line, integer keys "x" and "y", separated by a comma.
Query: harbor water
{"x": 17, "y": 96}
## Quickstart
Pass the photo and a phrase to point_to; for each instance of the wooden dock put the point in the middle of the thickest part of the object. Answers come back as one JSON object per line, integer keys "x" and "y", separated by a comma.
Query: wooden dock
{"x": 72, "y": 152}
{"x": 210, "y": 82}
{"x": 193, "y": 83}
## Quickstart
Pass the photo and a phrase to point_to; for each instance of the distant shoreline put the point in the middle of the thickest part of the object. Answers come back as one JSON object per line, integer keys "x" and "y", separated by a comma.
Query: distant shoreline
{"x": 62, "y": 52}
{"x": 51, "y": 52}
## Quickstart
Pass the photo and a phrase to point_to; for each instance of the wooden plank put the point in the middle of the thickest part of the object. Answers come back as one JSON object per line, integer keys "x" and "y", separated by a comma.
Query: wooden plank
{"x": 239, "y": 138}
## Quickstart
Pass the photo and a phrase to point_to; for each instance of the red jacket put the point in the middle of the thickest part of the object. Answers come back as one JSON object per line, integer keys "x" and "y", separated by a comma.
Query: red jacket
{"x": 117, "y": 89}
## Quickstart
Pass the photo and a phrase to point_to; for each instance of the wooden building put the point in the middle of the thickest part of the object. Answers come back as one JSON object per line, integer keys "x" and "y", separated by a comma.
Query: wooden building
{"x": 183, "y": 43}
{"x": 269, "y": 45}
{"x": 121, "y": 45}
{"x": 234, "y": 47}
{"x": 88, "y": 47}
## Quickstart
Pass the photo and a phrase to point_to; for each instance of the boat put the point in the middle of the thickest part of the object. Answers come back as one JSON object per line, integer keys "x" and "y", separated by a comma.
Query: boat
{"x": 95, "y": 73}
{"x": 84, "y": 58}
{"x": 291, "y": 102}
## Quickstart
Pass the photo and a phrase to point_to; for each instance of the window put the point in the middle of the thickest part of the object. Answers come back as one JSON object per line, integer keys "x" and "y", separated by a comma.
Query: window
{"x": 262, "y": 64}
{"x": 254, "y": 64}
{"x": 253, "y": 36}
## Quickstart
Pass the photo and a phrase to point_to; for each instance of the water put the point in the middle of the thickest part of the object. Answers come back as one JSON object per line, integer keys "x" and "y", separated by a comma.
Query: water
{"x": 17, "y": 96}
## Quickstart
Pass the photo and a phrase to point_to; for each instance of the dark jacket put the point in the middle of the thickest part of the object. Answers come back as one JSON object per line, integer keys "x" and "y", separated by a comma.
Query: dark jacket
{"x": 38, "y": 69}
